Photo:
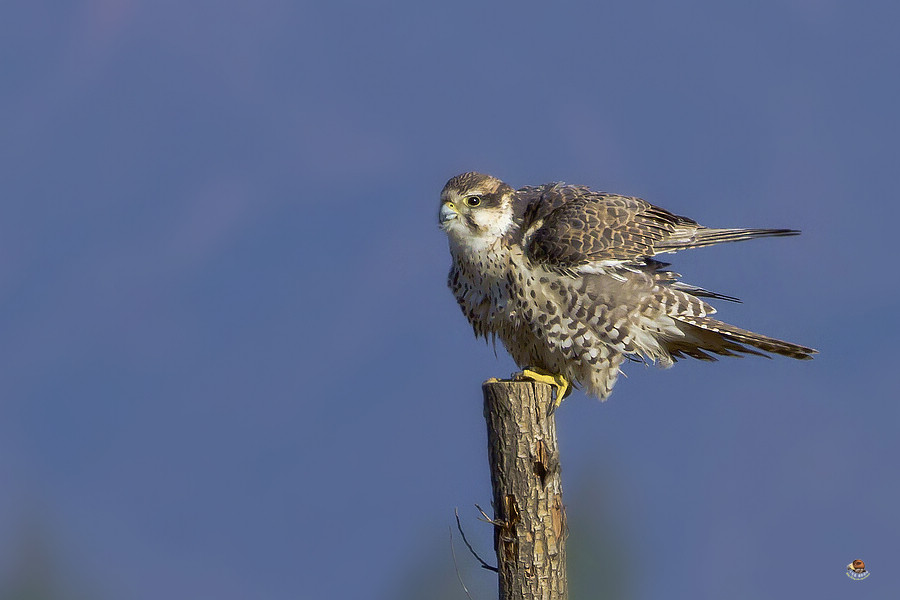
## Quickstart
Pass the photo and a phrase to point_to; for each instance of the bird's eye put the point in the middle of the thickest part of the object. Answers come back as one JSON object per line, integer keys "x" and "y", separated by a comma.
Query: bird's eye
{"x": 473, "y": 201}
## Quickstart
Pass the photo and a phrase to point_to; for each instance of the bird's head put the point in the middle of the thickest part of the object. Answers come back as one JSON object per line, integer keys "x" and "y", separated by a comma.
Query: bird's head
{"x": 476, "y": 209}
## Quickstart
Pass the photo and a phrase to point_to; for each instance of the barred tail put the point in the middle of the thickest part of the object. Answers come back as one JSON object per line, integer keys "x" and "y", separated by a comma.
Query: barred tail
{"x": 698, "y": 236}
{"x": 704, "y": 334}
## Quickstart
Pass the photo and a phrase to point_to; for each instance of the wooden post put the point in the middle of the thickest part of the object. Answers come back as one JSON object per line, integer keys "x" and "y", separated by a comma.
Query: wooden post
{"x": 530, "y": 520}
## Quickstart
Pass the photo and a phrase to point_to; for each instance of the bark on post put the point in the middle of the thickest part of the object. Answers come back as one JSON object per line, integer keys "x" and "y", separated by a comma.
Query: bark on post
{"x": 530, "y": 520}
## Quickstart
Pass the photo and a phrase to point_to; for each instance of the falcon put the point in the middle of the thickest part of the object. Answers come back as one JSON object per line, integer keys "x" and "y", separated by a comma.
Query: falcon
{"x": 567, "y": 279}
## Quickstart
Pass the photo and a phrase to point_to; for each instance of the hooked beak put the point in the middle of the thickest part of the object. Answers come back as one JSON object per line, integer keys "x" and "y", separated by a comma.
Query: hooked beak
{"x": 448, "y": 213}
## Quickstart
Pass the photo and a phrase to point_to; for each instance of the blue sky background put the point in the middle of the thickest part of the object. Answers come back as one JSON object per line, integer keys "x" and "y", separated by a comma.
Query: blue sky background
{"x": 229, "y": 365}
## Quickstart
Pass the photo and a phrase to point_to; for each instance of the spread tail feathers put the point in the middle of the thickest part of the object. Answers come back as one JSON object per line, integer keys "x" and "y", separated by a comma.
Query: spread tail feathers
{"x": 704, "y": 334}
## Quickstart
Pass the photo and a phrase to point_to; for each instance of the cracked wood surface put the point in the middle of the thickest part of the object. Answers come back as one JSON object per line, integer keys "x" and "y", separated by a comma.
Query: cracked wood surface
{"x": 530, "y": 537}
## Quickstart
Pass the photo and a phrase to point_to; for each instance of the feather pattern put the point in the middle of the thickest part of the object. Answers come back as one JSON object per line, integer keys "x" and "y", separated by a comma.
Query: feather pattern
{"x": 565, "y": 278}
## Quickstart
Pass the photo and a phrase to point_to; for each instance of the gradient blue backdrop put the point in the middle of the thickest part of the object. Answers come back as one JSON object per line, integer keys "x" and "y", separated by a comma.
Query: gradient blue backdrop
{"x": 229, "y": 365}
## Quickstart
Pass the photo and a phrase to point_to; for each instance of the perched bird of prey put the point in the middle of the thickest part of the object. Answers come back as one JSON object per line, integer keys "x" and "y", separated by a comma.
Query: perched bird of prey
{"x": 566, "y": 278}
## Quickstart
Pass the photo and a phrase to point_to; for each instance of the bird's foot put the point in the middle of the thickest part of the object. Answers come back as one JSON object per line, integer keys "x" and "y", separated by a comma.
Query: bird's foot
{"x": 561, "y": 385}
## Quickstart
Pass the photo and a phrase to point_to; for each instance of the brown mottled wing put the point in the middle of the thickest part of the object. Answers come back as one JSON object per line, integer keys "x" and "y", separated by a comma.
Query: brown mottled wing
{"x": 539, "y": 201}
{"x": 584, "y": 227}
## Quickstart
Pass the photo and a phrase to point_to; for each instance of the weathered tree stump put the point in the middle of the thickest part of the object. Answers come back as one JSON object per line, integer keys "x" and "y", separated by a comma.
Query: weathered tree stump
{"x": 529, "y": 516}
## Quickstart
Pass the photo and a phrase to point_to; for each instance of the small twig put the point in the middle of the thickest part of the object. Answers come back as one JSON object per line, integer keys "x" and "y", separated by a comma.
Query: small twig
{"x": 456, "y": 566}
{"x": 487, "y": 519}
{"x": 484, "y": 565}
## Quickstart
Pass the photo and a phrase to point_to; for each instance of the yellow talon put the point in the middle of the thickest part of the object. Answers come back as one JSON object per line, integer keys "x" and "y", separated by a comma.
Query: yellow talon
{"x": 561, "y": 385}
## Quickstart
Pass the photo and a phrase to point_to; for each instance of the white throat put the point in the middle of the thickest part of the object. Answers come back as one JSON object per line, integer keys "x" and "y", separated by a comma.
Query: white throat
{"x": 485, "y": 241}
